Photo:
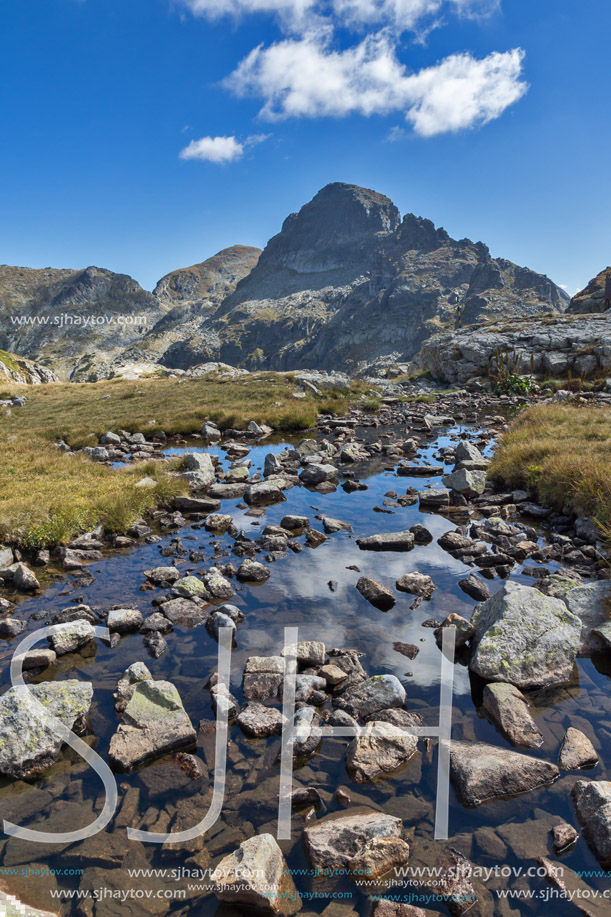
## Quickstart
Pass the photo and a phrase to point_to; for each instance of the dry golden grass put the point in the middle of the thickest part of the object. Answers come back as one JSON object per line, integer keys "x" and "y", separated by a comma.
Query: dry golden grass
{"x": 47, "y": 498}
{"x": 563, "y": 454}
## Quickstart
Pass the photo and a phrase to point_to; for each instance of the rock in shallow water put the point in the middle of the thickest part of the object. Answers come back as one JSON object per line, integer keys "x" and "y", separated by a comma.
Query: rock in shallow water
{"x": 481, "y": 772}
{"x": 508, "y": 709}
{"x": 592, "y": 800}
{"x": 28, "y": 746}
{"x": 378, "y": 693}
{"x": 388, "y": 541}
{"x": 256, "y": 876}
{"x": 334, "y": 841}
{"x": 577, "y": 751}
{"x": 525, "y": 638}
{"x": 380, "y": 749}
{"x": 375, "y": 593}
{"x": 155, "y": 723}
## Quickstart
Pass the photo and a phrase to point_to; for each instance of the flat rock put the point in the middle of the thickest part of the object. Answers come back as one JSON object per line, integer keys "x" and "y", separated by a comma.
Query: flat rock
{"x": 388, "y": 541}
{"x": 306, "y": 652}
{"x": 124, "y": 620}
{"x": 481, "y": 772}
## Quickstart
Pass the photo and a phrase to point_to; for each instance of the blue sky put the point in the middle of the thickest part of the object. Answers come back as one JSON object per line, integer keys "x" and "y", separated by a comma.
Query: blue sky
{"x": 145, "y": 135}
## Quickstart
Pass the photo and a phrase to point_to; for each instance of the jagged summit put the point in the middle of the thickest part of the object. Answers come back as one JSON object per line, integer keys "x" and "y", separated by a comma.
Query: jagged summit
{"x": 592, "y": 297}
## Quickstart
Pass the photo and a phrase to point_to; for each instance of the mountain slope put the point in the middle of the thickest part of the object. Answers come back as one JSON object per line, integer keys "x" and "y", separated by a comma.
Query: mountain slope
{"x": 62, "y": 316}
{"x": 591, "y": 298}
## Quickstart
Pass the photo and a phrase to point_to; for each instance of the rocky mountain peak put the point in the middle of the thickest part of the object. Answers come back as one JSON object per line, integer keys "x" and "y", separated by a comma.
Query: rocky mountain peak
{"x": 209, "y": 281}
{"x": 333, "y": 231}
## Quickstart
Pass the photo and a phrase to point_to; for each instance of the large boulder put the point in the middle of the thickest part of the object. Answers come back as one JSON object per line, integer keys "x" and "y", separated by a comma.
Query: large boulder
{"x": 525, "y": 638}
{"x": 154, "y": 724}
{"x": 256, "y": 876}
{"x": 27, "y": 746}
{"x": 481, "y": 772}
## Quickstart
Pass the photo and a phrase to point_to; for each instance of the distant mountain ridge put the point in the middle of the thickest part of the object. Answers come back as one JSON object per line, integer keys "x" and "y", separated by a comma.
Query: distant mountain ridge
{"x": 345, "y": 284}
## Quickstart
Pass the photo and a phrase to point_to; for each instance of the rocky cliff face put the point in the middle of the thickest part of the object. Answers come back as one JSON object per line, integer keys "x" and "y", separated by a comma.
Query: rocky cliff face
{"x": 592, "y": 298}
{"x": 347, "y": 282}
{"x": 62, "y": 317}
{"x": 551, "y": 346}
{"x": 18, "y": 370}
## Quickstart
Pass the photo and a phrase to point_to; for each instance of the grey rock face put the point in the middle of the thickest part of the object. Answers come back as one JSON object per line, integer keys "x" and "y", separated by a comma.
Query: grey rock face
{"x": 524, "y": 638}
{"x": 380, "y": 749}
{"x": 592, "y": 298}
{"x": 372, "y": 695}
{"x": 553, "y": 346}
{"x": 155, "y": 723}
{"x": 592, "y": 800}
{"x": 256, "y": 876}
{"x": 27, "y": 746}
{"x": 481, "y": 772}
{"x": 508, "y": 709}
{"x": 466, "y": 482}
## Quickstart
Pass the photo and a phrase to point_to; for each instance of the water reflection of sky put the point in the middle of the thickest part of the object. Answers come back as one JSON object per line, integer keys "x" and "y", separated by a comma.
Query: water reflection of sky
{"x": 298, "y": 594}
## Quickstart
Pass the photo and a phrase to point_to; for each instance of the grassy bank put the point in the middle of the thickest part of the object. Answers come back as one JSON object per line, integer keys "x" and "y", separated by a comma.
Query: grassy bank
{"x": 563, "y": 454}
{"x": 47, "y": 498}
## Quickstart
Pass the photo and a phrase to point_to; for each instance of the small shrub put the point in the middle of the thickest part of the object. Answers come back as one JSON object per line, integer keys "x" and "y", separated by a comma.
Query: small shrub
{"x": 514, "y": 384}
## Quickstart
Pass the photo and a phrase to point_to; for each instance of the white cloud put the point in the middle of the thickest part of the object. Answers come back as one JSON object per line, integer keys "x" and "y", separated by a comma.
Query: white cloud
{"x": 214, "y": 149}
{"x": 220, "y": 149}
{"x": 302, "y": 15}
{"x": 308, "y": 78}
{"x": 292, "y": 13}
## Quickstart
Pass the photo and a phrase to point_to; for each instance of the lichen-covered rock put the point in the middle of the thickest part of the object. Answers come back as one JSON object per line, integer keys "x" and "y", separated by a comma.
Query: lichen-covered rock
{"x": 525, "y": 638}
{"x": 190, "y": 587}
{"x": 154, "y": 724}
{"x": 27, "y": 746}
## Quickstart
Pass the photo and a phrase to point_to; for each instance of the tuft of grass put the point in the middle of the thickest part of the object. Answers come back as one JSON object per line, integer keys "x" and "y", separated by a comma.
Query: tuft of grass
{"x": 563, "y": 454}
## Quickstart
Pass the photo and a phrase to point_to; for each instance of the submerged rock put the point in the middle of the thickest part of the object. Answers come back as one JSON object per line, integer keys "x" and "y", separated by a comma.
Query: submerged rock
{"x": 525, "y": 638}
{"x": 27, "y": 746}
{"x": 481, "y": 772}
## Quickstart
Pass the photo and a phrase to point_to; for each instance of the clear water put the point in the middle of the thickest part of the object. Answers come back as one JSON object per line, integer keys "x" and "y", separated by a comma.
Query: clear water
{"x": 297, "y": 594}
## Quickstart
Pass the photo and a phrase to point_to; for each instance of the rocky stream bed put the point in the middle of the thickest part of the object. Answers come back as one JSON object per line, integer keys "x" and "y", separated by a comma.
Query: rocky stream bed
{"x": 371, "y": 535}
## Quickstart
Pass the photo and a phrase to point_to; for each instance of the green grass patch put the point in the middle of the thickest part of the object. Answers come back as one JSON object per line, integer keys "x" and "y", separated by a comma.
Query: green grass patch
{"x": 563, "y": 454}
